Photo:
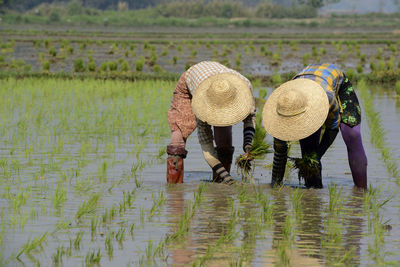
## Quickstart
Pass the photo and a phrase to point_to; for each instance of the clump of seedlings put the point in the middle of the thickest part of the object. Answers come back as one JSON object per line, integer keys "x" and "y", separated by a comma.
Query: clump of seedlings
{"x": 308, "y": 166}
{"x": 259, "y": 148}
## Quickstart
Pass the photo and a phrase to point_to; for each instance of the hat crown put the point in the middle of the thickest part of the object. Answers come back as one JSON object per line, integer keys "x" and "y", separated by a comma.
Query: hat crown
{"x": 291, "y": 103}
{"x": 221, "y": 93}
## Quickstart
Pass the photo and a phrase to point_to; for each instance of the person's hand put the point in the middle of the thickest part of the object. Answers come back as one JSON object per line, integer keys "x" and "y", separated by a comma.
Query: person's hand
{"x": 175, "y": 169}
{"x": 228, "y": 180}
{"x": 247, "y": 148}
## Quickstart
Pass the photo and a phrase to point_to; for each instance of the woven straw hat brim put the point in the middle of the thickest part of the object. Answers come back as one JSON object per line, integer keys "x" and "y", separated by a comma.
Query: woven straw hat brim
{"x": 302, "y": 125}
{"x": 226, "y": 114}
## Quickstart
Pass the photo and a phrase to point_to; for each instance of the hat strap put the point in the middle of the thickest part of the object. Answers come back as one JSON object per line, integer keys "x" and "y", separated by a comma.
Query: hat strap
{"x": 291, "y": 114}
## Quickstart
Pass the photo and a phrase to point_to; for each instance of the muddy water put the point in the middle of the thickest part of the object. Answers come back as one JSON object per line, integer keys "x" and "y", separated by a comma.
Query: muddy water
{"x": 314, "y": 236}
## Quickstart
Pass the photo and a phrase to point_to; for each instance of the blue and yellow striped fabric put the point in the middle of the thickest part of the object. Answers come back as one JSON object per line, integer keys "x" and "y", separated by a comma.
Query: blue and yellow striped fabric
{"x": 330, "y": 78}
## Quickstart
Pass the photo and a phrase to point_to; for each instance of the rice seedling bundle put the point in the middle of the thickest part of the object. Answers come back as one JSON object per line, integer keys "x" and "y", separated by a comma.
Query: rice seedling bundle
{"x": 308, "y": 166}
{"x": 259, "y": 148}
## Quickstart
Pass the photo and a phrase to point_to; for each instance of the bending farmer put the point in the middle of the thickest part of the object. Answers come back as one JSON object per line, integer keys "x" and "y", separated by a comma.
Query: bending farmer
{"x": 319, "y": 97}
{"x": 209, "y": 94}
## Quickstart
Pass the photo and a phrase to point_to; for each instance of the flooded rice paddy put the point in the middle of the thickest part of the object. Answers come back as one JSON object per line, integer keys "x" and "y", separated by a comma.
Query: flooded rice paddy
{"x": 257, "y": 53}
{"x": 82, "y": 174}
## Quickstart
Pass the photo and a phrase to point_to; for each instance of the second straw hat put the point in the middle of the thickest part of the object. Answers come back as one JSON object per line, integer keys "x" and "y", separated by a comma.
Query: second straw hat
{"x": 222, "y": 100}
{"x": 295, "y": 110}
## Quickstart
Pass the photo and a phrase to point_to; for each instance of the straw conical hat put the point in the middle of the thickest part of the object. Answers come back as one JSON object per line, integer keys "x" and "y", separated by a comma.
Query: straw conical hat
{"x": 295, "y": 110}
{"x": 222, "y": 100}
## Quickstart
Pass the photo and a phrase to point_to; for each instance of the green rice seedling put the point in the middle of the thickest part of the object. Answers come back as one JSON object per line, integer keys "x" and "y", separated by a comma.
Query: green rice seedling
{"x": 33, "y": 245}
{"x": 94, "y": 223}
{"x": 157, "y": 203}
{"x": 359, "y": 68}
{"x": 242, "y": 195}
{"x": 149, "y": 250}
{"x": 238, "y": 60}
{"x": 160, "y": 249}
{"x": 306, "y": 59}
{"x": 139, "y": 64}
{"x": 132, "y": 229}
{"x": 77, "y": 240}
{"x": 93, "y": 257}
{"x": 266, "y": 207}
{"x": 335, "y": 199}
{"x": 46, "y": 66}
{"x": 282, "y": 254}
{"x": 125, "y": 66}
{"x": 52, "y": 52}
{"x": 92, "y": 66}
{"x": 79, "y": 65}
{"x": 88, "y": 206}
{"x": 379, "y": 53}
{"x": 108, "y": 244}
{"x": 175, "y": 60}
{"x": 381, "y": 65}
{"x": 70, "y": 50}
{"x": 59, "y": 196}
{"x": 276, "y": 78}
{"x": 259, "y": 148}
{"x": 57, "y": 257}
{"x": 314, "y": 52}
{"x": 18, "y": 200}
{"x": 141, "y": 216}
{"x": 307, "y": 166}
{"x": 276, "y": 58}
{"x": 22, "y": 221}
{"x": 397, "y": 88}
{"x": 120, "y": 235}
{"x": 138, "y": 182}
{"x": 372, "y": 66}
{"x": 162, "y": 151}
{"x": 113, "y": 65}
{"x": 350, "y": 73}
{"x": 391, "y": 63}
{"x": 296, "y": 195}
{"x": 179, "y": 48}
{"x": 288, "y": 230}
{"x": 343, "y": 57}
{"x": 103, "y": 66}
{"x": 157, "y": 68}
{"x": 183, "y": 225}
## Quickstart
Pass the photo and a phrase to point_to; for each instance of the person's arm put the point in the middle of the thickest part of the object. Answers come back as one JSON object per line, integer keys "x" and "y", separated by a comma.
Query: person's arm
{"x": 280, "y": 159}
{"x": 331, "y": 126}
{"x": 180, "y": 115}
{"x": 182, "y": 122}
{"x": 248, "y": 131}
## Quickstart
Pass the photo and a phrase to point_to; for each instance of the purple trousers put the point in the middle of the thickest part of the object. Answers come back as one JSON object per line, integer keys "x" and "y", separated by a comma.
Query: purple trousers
{"x": 355, "y": 151}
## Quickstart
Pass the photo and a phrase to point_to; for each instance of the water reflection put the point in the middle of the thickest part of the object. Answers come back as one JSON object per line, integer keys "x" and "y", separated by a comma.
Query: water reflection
{"x": 178, "y": 255}
{"x": 309, "y": 241}
{"x": 354, "y": 223}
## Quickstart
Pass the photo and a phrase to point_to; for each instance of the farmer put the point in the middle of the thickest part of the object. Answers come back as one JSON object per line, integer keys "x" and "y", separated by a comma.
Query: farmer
{"x": 209, "y": 95}
{"x": 318, "y": 101}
